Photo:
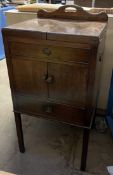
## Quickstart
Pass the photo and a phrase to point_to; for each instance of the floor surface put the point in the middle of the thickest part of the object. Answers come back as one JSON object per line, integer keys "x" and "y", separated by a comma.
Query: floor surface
{"x": 51, "y": 148}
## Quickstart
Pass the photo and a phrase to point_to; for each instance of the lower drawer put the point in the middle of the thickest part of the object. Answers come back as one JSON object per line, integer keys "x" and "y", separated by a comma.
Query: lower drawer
{"x": 60, "y": 112}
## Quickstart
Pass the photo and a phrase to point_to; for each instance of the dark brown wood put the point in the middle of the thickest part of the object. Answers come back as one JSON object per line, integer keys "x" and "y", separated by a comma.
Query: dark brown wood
{"x": 74, "y": 77}
{"x": 54, "y": 67}
{"x": 75, "y": 13}
{"x": 61, "y": 112}
{"x": 82, "y": 32}
{"x": 59, "y": 53}
{"x": 30, "y": 79}
{"x": 19, "y": 131}
{"x": 84, "y": 149}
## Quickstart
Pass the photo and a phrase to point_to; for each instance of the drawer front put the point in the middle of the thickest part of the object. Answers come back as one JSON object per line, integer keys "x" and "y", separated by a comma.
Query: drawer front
{"x": 60, "y": 112}
{"x": 49, "y": 52}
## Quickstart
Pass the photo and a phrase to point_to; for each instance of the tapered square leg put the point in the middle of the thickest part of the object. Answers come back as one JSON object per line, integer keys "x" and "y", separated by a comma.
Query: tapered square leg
{"x": 84, "y": 149}
{"x": 19, "y": 131}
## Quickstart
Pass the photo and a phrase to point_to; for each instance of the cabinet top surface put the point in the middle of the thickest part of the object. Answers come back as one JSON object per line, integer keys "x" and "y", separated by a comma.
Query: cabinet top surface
{"x": 68, "y": 27}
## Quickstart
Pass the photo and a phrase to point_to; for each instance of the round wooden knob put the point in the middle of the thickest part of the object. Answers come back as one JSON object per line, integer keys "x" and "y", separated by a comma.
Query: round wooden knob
{"x": 46, "y": 51}
{"x": 49, "y": 79}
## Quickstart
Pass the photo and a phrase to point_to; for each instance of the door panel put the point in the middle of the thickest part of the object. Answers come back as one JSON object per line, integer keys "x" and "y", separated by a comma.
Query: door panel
{"x": 28, "y": 77}
{"x": 69, "y": 84}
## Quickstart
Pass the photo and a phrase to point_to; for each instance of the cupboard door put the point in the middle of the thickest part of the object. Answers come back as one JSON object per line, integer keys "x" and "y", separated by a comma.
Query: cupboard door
{"x": 29, "y": 77}
{"x": 69, "y": 83}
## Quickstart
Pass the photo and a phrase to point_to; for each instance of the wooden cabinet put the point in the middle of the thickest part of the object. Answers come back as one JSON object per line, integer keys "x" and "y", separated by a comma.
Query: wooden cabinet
{"x": 54, "y": 68}
{"x": 46, "y": 79}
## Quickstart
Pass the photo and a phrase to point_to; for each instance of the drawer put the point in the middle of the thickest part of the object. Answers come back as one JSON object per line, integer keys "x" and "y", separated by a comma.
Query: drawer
{"x": 49, "y": 52}
{"x": 59, "y": 112}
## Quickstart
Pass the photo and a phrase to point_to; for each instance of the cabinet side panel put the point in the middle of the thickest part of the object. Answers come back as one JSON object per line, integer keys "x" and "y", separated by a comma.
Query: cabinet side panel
{"x": 9, "y": 66}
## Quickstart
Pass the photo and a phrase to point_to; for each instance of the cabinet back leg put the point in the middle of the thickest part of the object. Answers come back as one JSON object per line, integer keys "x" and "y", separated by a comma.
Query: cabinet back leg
{"x": 84, "y": 149}
{"x": 19, "y": 131}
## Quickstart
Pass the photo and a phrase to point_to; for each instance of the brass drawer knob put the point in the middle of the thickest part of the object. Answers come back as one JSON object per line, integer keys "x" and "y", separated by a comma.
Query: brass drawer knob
{"x": 46, "y": 51}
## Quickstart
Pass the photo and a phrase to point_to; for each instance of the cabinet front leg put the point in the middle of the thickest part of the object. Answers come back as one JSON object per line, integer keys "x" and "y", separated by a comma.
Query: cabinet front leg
{"x": 19, "y": 132}
{"x": 84, "y": 149}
